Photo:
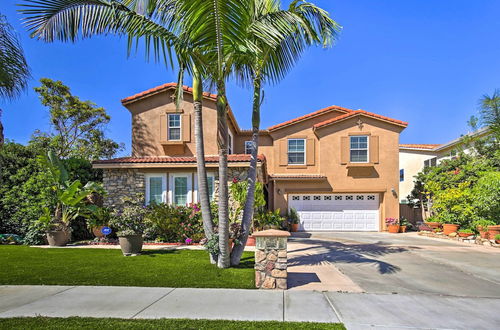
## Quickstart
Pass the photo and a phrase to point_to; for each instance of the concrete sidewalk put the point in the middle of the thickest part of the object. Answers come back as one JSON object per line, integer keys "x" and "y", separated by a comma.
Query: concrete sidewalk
{"x": 355, "y": 310}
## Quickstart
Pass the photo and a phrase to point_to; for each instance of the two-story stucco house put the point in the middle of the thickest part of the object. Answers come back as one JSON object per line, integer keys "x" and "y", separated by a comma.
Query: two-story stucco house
{"x": 339, "y": 168}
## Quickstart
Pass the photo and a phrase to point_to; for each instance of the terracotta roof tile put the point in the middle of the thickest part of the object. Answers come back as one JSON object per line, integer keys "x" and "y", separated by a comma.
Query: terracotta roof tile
{"x": 310, "y": 115}
{"x": 170, "y": 160}
{"x": 419, "y": 146}
{"x": 161, "y": 88}
{"x": 297, "y": 176}
{"x": 359, "y": 112}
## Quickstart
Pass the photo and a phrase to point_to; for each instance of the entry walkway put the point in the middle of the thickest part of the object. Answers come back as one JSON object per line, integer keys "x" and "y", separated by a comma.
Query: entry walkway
{"x": 355, "y": 310}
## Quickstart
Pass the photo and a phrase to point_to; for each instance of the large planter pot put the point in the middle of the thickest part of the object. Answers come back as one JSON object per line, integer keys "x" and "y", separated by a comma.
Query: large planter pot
{"x": 402, "y": 229}
{"x": 465, "y": 234}
{"x": 493, "y": 231}
{"x": 251, "y": 241}
{"x": 433, "y": 225}
{"x": 295, "y": 227}
{"x": 97, "y": 231}
{"x": 449, "y": 228}
{"x": 483, "y": 232}
{"x": 131, "y": 245}
{"x": 58, "y": 237}
{"x": 393, "y": 229}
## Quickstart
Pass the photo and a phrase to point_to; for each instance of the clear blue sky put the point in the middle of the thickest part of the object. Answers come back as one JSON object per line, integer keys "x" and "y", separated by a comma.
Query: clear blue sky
{"x": 425, "y": 62}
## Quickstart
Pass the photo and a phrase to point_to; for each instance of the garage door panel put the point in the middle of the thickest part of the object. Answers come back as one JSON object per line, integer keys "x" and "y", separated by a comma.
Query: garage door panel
{"x": 331, "y": 212}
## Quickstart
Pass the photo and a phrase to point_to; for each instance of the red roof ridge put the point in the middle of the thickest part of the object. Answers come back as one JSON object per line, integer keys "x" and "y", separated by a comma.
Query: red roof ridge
{"x": 178, "y": 159}
{"x": 360, "y": 112}
{"x": 310, "y": 115}
{"x": 161, "y": 88}
{"x": 419, "y": 145}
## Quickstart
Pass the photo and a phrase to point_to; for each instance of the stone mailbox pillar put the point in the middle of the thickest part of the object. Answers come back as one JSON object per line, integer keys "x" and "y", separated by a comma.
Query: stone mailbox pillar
{"x": 271, "y": 259}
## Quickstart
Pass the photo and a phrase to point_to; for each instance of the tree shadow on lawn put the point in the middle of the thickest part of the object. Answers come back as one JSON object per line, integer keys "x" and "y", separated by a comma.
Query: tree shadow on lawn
{"x": 245, "y": 262}
{"x": 330, "y": 252}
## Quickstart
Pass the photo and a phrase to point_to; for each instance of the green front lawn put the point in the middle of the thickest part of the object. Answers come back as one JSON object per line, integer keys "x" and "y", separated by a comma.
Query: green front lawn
{"x": 91, "y": 323}
{"x": 154, "y": 268}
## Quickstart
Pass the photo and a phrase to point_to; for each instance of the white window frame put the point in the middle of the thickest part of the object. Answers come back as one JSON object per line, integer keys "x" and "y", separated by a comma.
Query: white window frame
{"x": 179, "y": 127}
{"x": 171, "y": 190}
{"x": 230, "y": 142}
{"x": 288, "y": 152}
{"x": 197, "y": 191}
{"x": 163, "y": 177}
{"x": 367, "y": 148}
{"x": 248, "y": 147}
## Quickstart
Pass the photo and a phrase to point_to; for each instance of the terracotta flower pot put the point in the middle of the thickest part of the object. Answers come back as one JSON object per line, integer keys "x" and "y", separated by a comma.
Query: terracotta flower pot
{"x": 433, "y": 225}
{"x": 58, "y": 237}
{"x": 97, "y": 231}
{"x": 130, "y": 244}
{"x": 465, "y": 234}
{"x": 497, "y": 241}
{"x": 393, "y": 229}
{"x": 402, "y": 229}
{"x": 483, "y": 232}
{"x": 449, "y": 228}
{"x": 295, "y": 227}
{"x": 493, "y": 231}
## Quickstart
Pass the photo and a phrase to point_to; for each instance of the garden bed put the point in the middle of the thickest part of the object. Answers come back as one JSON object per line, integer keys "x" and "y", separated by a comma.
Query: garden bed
{"x": 472, "y": 239}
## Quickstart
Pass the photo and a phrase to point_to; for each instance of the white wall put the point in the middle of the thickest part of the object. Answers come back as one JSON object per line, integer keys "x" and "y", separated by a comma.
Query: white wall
{"x": 412, "y": 161}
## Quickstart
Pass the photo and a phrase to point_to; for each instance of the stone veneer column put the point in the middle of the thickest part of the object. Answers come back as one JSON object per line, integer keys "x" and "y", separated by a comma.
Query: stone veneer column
{"x": 271, "y": 259}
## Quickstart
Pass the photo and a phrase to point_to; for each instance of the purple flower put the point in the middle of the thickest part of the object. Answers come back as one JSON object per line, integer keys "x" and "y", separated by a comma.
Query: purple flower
{"x": 189, "y": 241}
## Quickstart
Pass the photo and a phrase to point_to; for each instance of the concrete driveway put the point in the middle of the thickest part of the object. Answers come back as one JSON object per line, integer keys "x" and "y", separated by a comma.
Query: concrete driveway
{"x": 389, "y": 263}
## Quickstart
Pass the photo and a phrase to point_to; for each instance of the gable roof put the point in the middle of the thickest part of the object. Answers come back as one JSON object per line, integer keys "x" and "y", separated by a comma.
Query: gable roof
{"x": 172, "y": 85}
{"x": 309, "y": 116}
{"x": 360, "y": 113}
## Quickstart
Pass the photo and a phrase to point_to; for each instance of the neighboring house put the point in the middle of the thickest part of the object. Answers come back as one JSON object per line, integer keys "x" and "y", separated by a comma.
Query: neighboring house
{"x": 337, "y": 167}
{"x": 413, "y": 158}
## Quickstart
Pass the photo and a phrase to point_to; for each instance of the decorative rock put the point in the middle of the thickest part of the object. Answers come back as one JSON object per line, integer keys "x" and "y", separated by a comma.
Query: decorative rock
{"x": 272, "y": 257}
{"x": 281, "y": 284}
{"x": 260, "y": 256}
{"x": 279, "y": 273}
{"x": 269, "y": 283}
{"x": 281, "y": 265}
{"x": 453, "y": 235}
{"x": 282, "y": 254}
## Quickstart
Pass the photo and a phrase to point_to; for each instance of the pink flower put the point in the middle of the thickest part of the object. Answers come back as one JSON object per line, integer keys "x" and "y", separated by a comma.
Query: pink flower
{"x": 235, "y": 180}
{"x": 189, "y": 241}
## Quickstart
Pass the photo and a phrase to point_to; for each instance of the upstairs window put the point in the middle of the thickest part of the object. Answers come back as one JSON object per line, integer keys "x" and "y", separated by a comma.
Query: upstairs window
{"x": 229, "y": 142}
{"x": 248, "y": 147}
{"x": 296, "y": 151}
{"x": 359, "y": 149}
{"x": 174, "y": 127}
{"x": 401, "y": 175}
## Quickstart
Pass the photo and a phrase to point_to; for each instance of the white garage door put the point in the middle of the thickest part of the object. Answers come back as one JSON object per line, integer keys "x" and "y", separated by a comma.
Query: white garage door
{"x": 337, "y": 212}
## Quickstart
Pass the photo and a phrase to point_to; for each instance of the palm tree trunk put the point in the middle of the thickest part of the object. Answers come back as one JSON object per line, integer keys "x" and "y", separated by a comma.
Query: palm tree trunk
{"x": 208, "y": 225}
{"x": 224, "y": 257}
{"x": 252, "y": 175}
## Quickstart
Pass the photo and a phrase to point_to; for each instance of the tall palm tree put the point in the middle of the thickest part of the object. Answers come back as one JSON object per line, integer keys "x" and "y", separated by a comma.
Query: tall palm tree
{"x": 150, "y": 21}
{"x": 14, "y": 71}
{"x": 313, "y": 26}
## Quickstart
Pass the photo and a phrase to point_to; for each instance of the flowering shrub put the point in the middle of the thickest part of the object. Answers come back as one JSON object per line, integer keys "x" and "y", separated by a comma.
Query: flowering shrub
{"x": 130, "y": 220}
{"x": 391, "y": 221}
{"x": 170, "y": 223}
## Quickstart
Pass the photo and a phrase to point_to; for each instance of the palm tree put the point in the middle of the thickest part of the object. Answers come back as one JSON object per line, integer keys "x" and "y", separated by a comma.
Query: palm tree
{"x": 14, "y": 71}
{"x": 313, "y": 26}
{"x": 155, "y": 25}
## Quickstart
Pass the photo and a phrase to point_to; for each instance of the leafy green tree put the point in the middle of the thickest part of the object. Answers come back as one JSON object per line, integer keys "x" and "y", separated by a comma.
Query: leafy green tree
{"x": 490, "y": 111}
{"x": 78, "y": 126}
{"x": 487, "y": 196}
{"x": 14, "y": 71}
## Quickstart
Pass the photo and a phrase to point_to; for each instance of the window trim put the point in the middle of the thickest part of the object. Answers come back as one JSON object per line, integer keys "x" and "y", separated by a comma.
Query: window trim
{"x": 169, "y": 127}
{"x": 171, "y": 191}
{"x": 288, "y": 151}
{"x": 147, "y": 195}
{"x": 367, "y": 149}
{"x": 248, "y": 153}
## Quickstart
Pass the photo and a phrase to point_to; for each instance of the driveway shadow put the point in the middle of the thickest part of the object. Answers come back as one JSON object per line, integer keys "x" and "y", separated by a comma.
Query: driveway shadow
{"x": 330, "y": 252}
{"x": 300, "y": 279}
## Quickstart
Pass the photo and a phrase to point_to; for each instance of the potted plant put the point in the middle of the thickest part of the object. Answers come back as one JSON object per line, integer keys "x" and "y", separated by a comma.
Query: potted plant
{"x": 493, "y": 231}
{"x": 98, "y": 219}
{"x": 481, "y": 226}
{"x": 129, "y": 225}
{"x": 294, "y": 219}
{"x": 465, "y": 232}
{"x": 67, "y": 201}
{"x": 497, "y": 238}
{"x": 392, "y": 225}
{"x": 404, "y": 225}
{"x": 432, "y": 223}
